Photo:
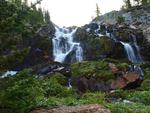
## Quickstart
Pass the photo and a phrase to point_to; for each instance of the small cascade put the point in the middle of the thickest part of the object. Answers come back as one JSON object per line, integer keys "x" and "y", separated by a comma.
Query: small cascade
{"x": 8, "y": 73}
{"x": 69, "y": 84}
{"x": 63, "y": 44}
{"x": 130, "y": 52}
{"x": 137, "y": 49}
{"x": 133, "y": 51}
{"x": 134, "y": 57}
{"x": 79, "y": 53}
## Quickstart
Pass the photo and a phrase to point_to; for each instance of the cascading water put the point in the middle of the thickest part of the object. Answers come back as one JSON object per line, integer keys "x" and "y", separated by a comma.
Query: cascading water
{"x": 63, "y": 44}
{"x": 130, "y": 52}
{"x": 133, "y": 53}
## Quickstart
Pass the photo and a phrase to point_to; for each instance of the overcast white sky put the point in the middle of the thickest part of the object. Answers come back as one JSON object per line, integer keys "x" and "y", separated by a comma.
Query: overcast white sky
{"x": 77, "y": 12}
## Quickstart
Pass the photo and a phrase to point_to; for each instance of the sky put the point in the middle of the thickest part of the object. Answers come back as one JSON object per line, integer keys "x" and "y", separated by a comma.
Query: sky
{"x": 77, "y": 12}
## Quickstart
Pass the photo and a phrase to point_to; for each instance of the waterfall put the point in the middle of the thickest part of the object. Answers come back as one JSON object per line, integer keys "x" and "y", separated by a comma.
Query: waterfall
{"x": 130, "y": 52}
{"x": 63, "y": 44}
{"x": 133, "y": 52}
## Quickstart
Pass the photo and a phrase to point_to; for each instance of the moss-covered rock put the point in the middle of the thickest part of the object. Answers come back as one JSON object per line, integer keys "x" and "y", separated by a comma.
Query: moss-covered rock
{"x": 91, "y": 69}
{"x": 91, "y": 75}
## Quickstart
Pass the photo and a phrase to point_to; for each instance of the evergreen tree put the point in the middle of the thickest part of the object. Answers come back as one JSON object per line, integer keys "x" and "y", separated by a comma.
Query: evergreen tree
{"x": 18, "y": 3}
{"x": 26, "y": 2}
{"x": 127, "y": 4}
{"x": 47, "y": 17}
{"x": 144, "y": 2}
{"x": 97, "y": 10}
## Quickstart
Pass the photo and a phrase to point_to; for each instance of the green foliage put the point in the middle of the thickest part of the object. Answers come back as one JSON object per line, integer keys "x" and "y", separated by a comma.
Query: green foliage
{"x": 97, "y": 10}
{"x": 123, "y": 66}
{"x": 120, "y": 19}
{"x": 128, "y": 108}
{"x": 47, "y": 17}
{"x": 93, "y": 98}
{"x": 61, "y": 79}
{"x": 140, "y": 97}
{"x": 14, "y": 59}
{"x": 18, "y": 24}
{"x": 23, "y": 93}
{"x": 87, "y": 98}
{"x": 53, "y": 88}
{"x": 127, "y": 4}
{"x": 98, "y": 69}
{"x": 105, "y": 45}
{"x": 144, "y": 2}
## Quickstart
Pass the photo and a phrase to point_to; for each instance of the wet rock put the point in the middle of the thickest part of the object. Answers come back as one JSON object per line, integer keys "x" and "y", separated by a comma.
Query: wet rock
{"x": 51, "y": 68}
{"x": 93, "y": 108}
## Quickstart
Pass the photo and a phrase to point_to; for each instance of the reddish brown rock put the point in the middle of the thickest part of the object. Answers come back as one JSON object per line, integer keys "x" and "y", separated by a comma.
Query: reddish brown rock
{"x": 118, "y": 83}
{"x": 125, "y": 80}
{"x": 131, "y": 76}
{"x": 93, "y": 108}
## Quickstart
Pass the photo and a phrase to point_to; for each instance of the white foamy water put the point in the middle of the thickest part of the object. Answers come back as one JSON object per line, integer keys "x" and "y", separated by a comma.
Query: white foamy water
{"x": 63, "y": 44}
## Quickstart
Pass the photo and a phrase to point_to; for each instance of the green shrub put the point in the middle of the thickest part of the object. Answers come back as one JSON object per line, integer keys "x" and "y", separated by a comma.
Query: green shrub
{"x": 23, "y": 93}
{"x": 140, "y": 97}
{"x": 92, "y": 69}
{"x": 61, "y": 79}
{"x": 53, "y": 88}
{"x": 128, "y": 108}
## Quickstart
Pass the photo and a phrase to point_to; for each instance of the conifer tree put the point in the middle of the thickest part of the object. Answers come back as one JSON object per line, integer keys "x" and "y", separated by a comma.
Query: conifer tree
{"x": 47, "y": 17}
{"x": 127, "y": 4}
{"x": 144, "y": 2}
{"x": 97, "y": 10}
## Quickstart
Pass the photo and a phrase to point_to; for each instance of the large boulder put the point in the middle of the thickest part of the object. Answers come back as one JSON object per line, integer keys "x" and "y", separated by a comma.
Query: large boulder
{"x": 129, "y": 80}
{"x": 93, "y": 108}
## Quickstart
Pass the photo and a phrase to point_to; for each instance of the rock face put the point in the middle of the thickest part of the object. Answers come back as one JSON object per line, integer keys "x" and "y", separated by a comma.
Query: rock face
{"x": 93, "y": 108}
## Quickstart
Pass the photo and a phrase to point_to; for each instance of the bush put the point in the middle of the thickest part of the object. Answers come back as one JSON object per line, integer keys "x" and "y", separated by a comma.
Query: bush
{"x": 53, "y": 88}
{"x": 61, "y": 79}
{"x": 140, "y": 97}
{"x": 23, "y": 93}
{"x": 97, "y": 69}
{"x": 128, "y": 108}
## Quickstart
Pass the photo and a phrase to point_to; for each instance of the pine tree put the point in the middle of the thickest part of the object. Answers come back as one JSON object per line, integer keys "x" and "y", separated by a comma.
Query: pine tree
{"x": 127, "y": 4}
{"x": 47, "y": 17}
{"x": 144, "y": 2}
{"x": 18, "y": 3}
{"x": 97, "y": 10}
{"x": 25, "y": 2}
